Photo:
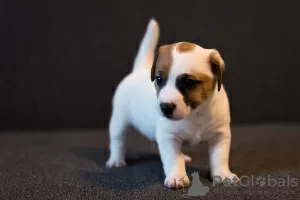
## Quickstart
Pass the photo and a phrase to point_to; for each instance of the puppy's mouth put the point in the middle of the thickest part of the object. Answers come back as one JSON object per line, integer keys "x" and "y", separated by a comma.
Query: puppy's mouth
{"x": 171, "y": 117}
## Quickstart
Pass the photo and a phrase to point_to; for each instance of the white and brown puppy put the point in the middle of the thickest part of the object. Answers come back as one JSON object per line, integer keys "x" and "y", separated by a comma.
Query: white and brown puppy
{"x": 174, "y": 97}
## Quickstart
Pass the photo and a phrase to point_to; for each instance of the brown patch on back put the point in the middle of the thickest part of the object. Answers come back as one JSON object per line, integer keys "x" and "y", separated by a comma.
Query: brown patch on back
{"x": 197, "y": 94}
{"x": 162, "y": 64}
{"x": 185, "y": 47}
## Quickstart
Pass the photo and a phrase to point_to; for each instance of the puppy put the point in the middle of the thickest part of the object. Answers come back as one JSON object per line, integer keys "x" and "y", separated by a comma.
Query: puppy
{"x": 174, "y": 97}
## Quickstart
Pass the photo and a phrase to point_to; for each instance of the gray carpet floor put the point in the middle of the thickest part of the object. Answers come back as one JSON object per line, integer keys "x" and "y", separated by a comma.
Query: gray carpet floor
{"x": 70, "y": 165}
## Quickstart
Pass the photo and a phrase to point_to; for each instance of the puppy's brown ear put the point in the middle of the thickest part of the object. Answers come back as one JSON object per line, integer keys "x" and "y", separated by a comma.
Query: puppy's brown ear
{"x": 154, "y": 65}
{"x": 217, "y": 66}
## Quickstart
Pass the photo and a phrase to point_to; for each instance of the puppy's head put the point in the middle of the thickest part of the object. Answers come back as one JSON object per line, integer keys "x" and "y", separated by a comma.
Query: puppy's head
{"x": 185, "y": 76}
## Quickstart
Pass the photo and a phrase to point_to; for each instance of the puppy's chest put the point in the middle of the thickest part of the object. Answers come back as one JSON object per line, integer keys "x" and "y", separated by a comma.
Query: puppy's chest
{"x": 194, "y": 130}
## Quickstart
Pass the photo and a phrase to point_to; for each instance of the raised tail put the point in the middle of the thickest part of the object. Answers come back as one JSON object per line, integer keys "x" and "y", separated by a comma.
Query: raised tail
{"x": 146, "y": 52}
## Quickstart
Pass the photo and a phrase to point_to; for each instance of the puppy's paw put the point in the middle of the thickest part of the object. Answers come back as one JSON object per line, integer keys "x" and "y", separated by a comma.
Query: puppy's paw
{"x": 177, "y": 182}
{"x": 115, "y": 163}
{"x": 187, "y": 159}
{"x": 222, "y": 175}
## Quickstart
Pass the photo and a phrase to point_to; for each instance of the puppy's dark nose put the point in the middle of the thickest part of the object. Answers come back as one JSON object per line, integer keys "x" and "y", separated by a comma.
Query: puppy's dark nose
{"x": 167, "y": 108}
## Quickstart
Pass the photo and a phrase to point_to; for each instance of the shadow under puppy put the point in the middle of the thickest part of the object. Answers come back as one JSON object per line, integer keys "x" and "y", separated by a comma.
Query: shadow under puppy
{"x": 173, "y": 97}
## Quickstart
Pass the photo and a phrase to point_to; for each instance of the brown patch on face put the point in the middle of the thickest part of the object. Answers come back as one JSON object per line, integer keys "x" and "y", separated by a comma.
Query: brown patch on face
{"x": 195, "y": 88}
{"x": 185, "y": 47}
{"x": 217, "y": 66}
{"x": 161, "y": 66}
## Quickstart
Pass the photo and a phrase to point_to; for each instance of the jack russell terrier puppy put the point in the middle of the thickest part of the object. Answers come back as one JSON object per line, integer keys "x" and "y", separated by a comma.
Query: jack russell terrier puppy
{"x": 174, "y": 97}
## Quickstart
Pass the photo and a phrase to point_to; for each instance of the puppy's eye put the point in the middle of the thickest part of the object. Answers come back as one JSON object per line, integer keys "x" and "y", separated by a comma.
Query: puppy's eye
{"x": 189, "y": 82}
{"x": 159, "y": 81}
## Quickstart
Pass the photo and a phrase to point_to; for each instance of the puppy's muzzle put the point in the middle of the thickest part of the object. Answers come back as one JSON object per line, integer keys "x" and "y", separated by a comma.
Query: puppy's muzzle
{"x": 167, "y": 109}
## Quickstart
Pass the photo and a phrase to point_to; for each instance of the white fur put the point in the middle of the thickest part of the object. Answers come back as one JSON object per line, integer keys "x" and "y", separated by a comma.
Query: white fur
{"x": 135, "y": 103}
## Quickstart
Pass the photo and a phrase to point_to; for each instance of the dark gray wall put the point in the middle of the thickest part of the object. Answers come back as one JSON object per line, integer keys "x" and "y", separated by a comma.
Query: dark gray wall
{"x": 61, "y": 60}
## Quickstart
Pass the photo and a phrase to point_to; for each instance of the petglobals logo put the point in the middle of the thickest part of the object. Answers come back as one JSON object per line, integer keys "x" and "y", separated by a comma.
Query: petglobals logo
{"x": 197, "y": 189}
{"x": 261, "y": 181}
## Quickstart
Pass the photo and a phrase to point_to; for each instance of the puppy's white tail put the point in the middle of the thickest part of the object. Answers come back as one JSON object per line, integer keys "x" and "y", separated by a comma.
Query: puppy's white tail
{"x": 145, "y": 55}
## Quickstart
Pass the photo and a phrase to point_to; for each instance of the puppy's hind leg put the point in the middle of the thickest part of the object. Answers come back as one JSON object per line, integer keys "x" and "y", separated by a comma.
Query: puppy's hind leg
{"x": 117, "y": 135}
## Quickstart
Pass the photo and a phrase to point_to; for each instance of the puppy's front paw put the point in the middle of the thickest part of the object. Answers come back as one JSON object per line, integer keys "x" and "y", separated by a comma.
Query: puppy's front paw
{"x": 173, "y": 182}
{"x": 222, "y": 175}
{"x": 115, "y": 163}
